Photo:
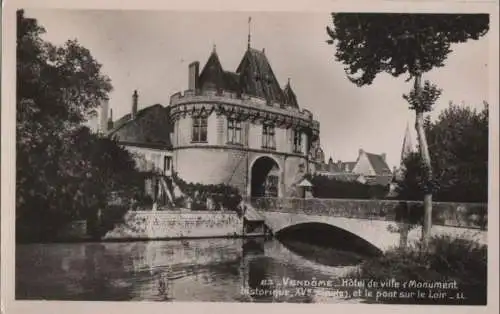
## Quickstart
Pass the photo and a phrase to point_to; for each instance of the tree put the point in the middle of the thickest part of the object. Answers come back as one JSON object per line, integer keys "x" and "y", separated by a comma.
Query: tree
{"x": 411, "y": 44}
{"x": 63, "y": 172}
{"x": 458, "y": 142}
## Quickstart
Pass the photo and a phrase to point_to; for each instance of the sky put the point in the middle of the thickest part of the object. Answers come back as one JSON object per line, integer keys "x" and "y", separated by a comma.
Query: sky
{"x": 150, "y": 51}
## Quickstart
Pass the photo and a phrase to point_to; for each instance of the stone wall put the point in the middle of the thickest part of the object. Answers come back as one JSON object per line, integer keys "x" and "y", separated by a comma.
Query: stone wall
{"x": 176, "y": 224}
{"x": 151, "y": 159}
{"x": 467, "y": 215}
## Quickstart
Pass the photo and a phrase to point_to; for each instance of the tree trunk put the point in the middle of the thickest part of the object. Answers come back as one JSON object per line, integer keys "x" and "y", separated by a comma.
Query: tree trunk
{"x": 426, "y": 161}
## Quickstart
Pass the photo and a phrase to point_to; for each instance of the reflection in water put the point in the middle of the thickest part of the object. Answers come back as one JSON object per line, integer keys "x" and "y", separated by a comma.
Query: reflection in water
{"x": 189, "y": 270}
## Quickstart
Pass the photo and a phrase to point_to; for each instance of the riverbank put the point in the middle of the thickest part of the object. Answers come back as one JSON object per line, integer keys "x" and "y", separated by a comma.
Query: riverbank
{"x": 135, "y": 239}
{"x": 450, "y": 271}
{"x": 177, "y": 225}
{"x": 162, "y": 225}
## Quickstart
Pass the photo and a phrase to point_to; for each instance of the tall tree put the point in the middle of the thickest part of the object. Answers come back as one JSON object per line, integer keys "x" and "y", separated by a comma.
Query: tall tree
{"x": 458, "y": 143}
{"x": 63, "y": 171}
{"x": 411, "y": 44}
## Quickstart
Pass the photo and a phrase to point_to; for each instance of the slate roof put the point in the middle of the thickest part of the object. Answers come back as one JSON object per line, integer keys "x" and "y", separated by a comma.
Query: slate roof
{"x": 350, "y": 165}
{"x": 212, "y": 76}
{"x": 379, "y": 165}
{"x": 336, "y": 167}
{"x": 150, "y": 128}
{"x": 257, "y": 76}
{"x": 290, "y": 98}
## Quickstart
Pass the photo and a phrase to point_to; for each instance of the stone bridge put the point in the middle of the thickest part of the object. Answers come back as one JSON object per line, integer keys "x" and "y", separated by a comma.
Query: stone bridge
{"x": 379, "y": 223}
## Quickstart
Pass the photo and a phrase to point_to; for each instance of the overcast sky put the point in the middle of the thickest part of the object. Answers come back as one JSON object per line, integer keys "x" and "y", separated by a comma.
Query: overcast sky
{"x": 150, "y": 51}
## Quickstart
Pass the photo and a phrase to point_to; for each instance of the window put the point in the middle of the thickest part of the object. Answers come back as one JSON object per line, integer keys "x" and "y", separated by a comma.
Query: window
{"x": 271, "y": 186}
{"x": 166, "y": 163}
{"x": 234, "y": 131}
{"x": 297, "y": 141}
{"x": 199, "y": 134}
{"x": 268, "y": 139}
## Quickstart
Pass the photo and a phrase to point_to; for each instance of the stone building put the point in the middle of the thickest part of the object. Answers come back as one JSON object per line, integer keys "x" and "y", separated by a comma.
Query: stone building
{"x": 241, "y": 128}
{"x": 368, "y": 168}
{"x": 237, "y": 128}
{"x": 146, "y": 134}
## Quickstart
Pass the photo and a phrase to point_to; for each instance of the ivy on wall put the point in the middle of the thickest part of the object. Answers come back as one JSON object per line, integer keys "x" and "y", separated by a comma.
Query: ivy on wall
{"x": 206, "y": 196}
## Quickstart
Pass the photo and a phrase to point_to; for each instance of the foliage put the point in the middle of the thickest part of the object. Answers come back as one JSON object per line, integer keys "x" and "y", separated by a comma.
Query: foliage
{"x": 369, "y": 44}
{"x": 64, "y": 172}
{"x": 423, "y": 99}
{"x": 395, "y": 43}
{"x": 458, "y": 144}
{"x": 223, "y": 196}
{"x": 325, "y": 187}
{"x": 445, "y": 259}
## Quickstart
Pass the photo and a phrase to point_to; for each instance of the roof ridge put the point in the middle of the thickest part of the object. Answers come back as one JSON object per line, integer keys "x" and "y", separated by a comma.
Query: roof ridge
{"x": 113, "y": 130}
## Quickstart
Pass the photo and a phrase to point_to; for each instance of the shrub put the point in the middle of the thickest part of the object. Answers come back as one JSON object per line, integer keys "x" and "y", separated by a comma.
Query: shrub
{"x": 445, "y": 259}
{"x": 223, "y": 196}
{"x": 325, "y": 187}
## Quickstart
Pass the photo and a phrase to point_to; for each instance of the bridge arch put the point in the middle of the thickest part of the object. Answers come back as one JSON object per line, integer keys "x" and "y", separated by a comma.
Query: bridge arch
{"x": 329, "y": 235}
{"x": 375, "y": 232}
{"x": 265, "y": 177}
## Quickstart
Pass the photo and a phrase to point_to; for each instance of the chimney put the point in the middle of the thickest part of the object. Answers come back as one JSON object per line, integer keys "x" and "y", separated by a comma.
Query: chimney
{"x": 194, "y": 69}
{"x": 110, "y": 120}
{"x": 383, "y": 155}
{"x": 135, "y": 98}
{"x": 103, "y": 121}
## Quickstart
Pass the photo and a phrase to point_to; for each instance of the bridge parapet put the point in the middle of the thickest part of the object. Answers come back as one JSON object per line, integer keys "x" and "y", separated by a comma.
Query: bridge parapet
{"x": 464, "y": 215}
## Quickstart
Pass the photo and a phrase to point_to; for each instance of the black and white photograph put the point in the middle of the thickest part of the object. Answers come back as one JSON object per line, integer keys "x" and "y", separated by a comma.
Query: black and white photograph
{"x": 321, "y": 157}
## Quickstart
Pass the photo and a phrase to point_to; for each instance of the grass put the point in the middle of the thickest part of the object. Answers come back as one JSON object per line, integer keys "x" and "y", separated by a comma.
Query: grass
{"x": 445, "y": 259}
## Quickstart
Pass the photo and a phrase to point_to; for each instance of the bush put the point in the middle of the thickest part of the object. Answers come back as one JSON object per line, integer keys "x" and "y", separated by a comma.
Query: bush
{"x": 223, "y": 196}
{"x": 325, "y": 187}
{"x": 445, "y": 259}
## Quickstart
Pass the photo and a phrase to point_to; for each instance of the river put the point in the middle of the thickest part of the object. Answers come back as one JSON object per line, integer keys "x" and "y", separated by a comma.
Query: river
{"x": 216, "y": 270}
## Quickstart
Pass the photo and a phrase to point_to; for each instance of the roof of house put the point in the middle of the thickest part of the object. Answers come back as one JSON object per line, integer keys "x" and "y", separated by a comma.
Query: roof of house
{"x": 213, "y": 76}
{"x": 258, "y": 78}
{"x": 150, "y": 128}
{"x": 254, "y": 76}
{"x": 290, "y": 98}
{"x": 350, "y": 165}
{"x": 379, "y": 164}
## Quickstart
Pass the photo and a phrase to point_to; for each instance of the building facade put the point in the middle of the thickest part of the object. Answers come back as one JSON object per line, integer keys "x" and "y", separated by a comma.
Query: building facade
{"x": 368, "y": 168}
{"x": 236, "y": 128}
{"x": 241, "y": 128}
{"x": 146, "y": 134}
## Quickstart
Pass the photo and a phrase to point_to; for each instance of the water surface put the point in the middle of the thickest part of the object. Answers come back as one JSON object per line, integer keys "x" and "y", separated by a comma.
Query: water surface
{"x": 231, "y": 270}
